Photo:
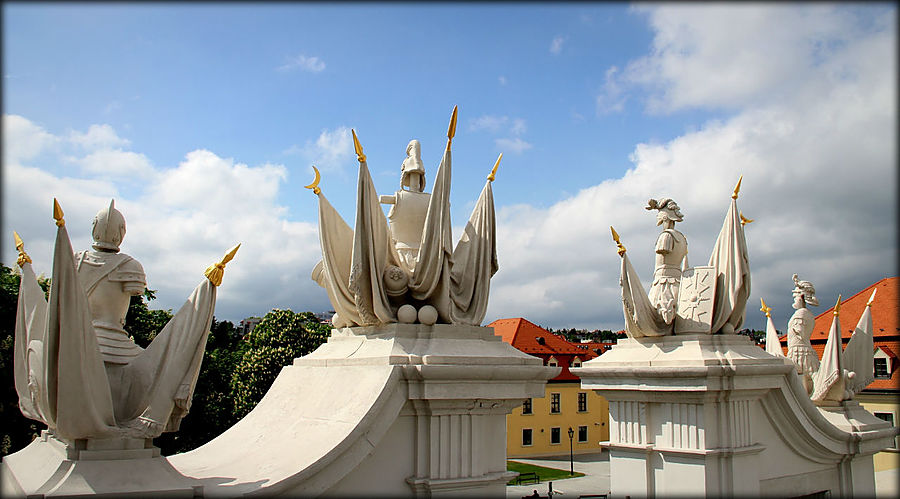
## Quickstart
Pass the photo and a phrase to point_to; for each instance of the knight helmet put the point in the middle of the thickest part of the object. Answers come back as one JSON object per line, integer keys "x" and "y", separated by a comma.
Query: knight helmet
{"x": 412, "y": 165}
{"x": 109, "y": 228}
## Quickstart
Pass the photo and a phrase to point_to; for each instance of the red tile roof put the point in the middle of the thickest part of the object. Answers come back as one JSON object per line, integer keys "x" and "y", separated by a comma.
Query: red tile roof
{"x": 523, "y": 335}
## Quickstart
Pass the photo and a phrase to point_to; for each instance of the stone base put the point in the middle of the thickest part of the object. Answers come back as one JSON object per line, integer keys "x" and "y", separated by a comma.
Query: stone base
{"x": 715, "y": 415}
{"x": 52, "y": 467}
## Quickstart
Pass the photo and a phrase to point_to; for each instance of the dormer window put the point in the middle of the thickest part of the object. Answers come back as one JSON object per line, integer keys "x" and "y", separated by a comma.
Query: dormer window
{"x": 883, "y": 364}
{"x": 553, "y": 362}
{"x": 576, "y": 362}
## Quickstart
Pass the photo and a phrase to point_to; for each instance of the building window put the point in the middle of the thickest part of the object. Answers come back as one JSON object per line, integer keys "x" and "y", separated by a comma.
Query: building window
{"x": 554, "y": 403}
{"x": 526, "y": 407}
{"x": 553, "y": 362}
{"x": 582, "y": 401}
{"x": 554, "y": 435}
{"x": 582, "y": 434}
{"x": 576, "y": 362}
{"x": 881, "y": 369}
{"x": 526, "y": 437}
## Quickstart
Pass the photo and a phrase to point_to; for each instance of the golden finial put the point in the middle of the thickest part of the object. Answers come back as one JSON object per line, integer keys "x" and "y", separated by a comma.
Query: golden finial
{"x": 872, "y": 298}
{"x": 451, "y": 131}
{"x": 215, "y": 272}
{"x": 737, "y": 188}
{"x": 619, "y": 245}
{"x": 745, "y": 220}
{"x": 765, "y": 309}
{"x": 58, "y": 213}
{"x": 494, "y": 170}
{"x": 20, "y": 246}
{"x": 315, "y": 184}
{"x": 357, "y": 147}
{"x": 837, "y": 306}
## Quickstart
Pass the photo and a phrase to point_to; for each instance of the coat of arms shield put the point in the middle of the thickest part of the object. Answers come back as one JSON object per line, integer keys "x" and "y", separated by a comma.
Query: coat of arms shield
{"x": 693, "y": 315}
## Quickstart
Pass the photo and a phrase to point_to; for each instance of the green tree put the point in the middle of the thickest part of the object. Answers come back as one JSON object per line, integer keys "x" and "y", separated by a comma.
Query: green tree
{"x": 142, "y": 323}
{"x": 281, "y": 336}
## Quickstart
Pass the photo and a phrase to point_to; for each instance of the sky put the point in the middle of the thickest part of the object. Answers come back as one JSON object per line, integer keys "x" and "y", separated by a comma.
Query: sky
{"x": 203, "y": 121}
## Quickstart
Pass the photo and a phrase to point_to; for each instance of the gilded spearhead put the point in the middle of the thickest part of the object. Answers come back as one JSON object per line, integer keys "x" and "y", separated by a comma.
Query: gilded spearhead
{"x": 765, "y": 309}
{"x": 23, "y": 257}
{"x": 357, "y": 147}
{"x": 215, "y": 272}
{"x": 737, "y": 188}
{"x": 58, "y": 213}
{"x": 315, "y": 184}
{"x": 451, "y": 130}
{"x": 745, "y": 220}
{"x": 494, "y": 170}
{"x": 872, "y": 298}
{"x": 619, "y": 245}
{"x": 837, "y": 306}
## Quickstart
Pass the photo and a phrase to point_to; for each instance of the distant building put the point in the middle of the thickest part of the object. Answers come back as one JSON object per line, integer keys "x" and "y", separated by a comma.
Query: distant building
{"x": 881, "y": 396}
{"x": 248, "y": 325}
{"x": 324, "y": 317}
{"x": 540, "y": 427}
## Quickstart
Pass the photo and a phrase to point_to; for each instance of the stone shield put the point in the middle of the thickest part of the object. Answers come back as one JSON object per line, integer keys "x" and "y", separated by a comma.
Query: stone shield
{"x": 693, "y": 314}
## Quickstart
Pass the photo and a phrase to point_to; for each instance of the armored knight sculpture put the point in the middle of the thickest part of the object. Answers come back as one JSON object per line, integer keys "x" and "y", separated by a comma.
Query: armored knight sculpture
{"x": 683, "y": 300}
{"x": 407, "y": 270}
{"x": 76, "y": 368}
{"x": 799, "y": 331}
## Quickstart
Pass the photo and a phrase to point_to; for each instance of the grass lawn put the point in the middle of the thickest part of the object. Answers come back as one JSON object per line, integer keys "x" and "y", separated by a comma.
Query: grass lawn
{"x": 545, "y": 474}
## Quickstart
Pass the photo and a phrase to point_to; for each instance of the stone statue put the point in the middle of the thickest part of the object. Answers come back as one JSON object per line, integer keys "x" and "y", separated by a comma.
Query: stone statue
{"x": 86, "y": 378}
{"x": 688, "y": 300}
{"x": 800, "y": 329}
{"x": 671, "y": 251}
{"x": 407, "y": 269}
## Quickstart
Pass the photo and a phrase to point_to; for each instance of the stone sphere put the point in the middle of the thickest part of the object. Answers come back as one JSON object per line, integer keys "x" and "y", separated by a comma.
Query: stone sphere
{"x": 428, "y": 315}
{"x": 395, "y": 280}
{"x": 406, "y": 314}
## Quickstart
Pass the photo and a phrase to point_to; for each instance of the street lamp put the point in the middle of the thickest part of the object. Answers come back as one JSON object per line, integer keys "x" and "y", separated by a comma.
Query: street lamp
{"x": 571, "y": 455}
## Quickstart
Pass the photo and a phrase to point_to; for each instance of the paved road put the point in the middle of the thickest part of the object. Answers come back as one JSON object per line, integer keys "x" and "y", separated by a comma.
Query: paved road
{"x": 596, "y": 479}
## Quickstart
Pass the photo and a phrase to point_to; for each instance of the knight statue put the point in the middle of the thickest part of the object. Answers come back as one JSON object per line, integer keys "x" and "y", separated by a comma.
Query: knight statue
{"x": 671, "y": 250}
{"x": 800, "y": 329}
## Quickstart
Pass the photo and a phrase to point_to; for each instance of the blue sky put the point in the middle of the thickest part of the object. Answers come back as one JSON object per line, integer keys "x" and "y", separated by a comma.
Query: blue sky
{"x": 203, "y": 120}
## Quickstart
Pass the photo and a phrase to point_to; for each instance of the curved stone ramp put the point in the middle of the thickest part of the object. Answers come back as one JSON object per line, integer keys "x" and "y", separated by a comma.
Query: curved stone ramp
{"x": 312, "y": 418}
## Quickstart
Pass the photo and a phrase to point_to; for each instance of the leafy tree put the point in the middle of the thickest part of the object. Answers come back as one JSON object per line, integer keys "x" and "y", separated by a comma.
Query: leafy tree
{"x": 281, "y": 336}
{"x": 142, "y": 323}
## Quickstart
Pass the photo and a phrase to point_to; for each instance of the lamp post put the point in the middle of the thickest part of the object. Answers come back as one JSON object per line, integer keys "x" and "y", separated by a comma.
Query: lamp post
{"x": 571, "y": 454}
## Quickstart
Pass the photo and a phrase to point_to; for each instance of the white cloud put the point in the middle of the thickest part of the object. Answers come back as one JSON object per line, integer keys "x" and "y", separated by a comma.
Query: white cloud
{"x": 117, "y": 163}
{"x": 556, "y": 45}
{"x": 23, "y": 139}
{"x": 818, "y": 155}
{"x": 501, "y": 80}
{"x": 332, "y": 150}
{"x": 98, "y": 137}
{"x": 514, "y": 145}
{"x": 488, "y": 122}
{"x": 611, "y": 98}
{"x": 304, "y": 63}
{"x": 518, "y": 127}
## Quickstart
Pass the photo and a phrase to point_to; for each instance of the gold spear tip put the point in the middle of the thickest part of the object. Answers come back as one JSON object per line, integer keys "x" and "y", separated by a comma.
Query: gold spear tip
{"x": 451, "y": 131}
{"x": 216, "y": 271}
{"x": 615, "y": 236}
{"x": 872, "y": 298}
{"x": 230, "y": 255}
{"x": 357, "y": 147}
{"x": 837, "y": 306}
{"x": 58, "y": 213}
{"x": 23, "y": 257}
{"x": 19, "y": 243}
{"x": 315, "y": 184}
{"x": 766, "y": 309}
{"x": 737, "y": 188}
{"x": 745, "y": 220}
{"x": 494, "y": 170}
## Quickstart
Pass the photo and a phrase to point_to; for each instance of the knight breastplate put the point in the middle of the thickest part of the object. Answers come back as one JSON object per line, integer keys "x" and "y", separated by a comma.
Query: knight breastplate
{"x": 407, "y": 218}
{"x": 800, "y": 328}
{"x": 669, "y": 264}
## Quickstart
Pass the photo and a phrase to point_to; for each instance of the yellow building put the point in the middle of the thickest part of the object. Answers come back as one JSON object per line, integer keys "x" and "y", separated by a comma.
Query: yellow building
{"x": 540, "y": 427}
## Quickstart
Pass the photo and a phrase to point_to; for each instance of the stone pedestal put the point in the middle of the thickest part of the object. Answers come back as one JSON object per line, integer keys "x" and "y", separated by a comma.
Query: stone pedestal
{"x": 54, "y": 467}
{"x": 715, "y": 415}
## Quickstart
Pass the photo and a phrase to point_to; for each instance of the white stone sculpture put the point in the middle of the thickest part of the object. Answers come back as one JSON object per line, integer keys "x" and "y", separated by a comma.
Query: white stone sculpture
{"x": 800, "y": 329}
{"x": 773, "y": 345}
{"x": 377, "y": 270}
{"x": 842, "y": 374}
{"x": 76, "y": 368}
{"x": 683, "y": 300}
